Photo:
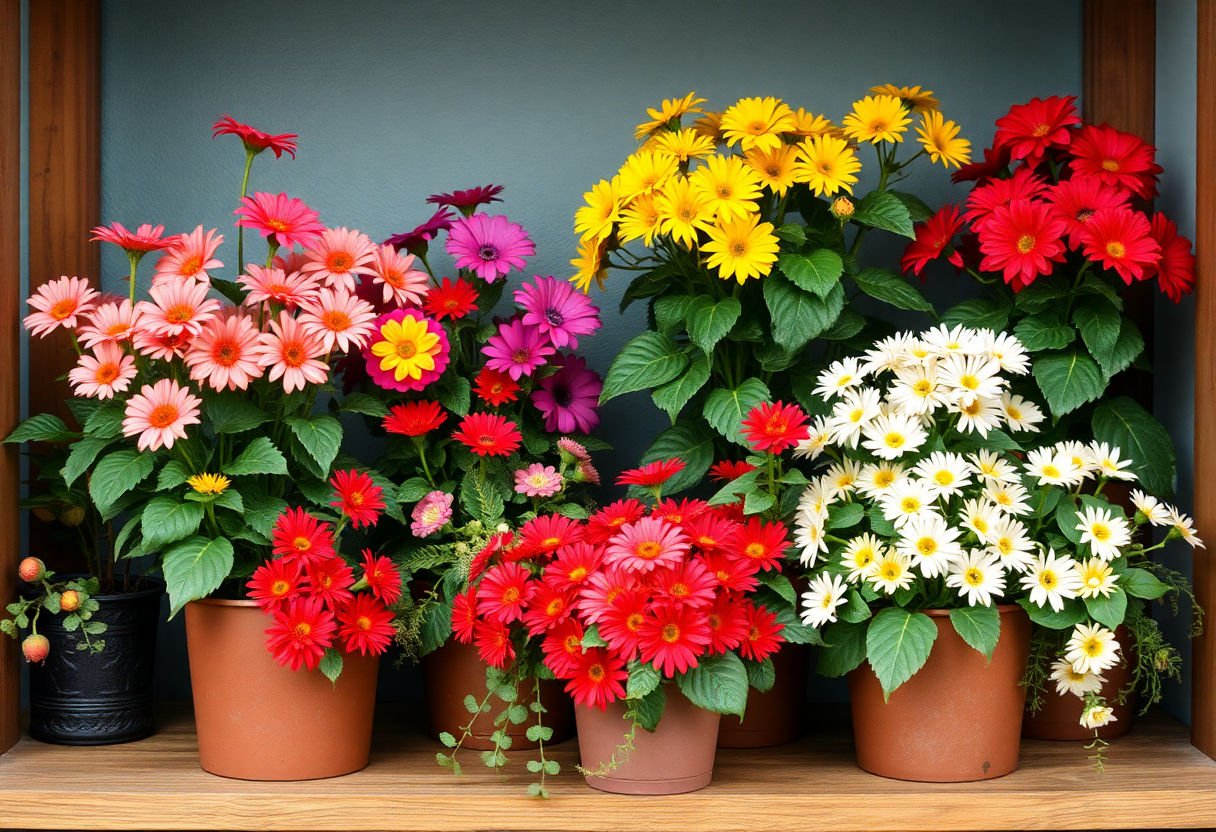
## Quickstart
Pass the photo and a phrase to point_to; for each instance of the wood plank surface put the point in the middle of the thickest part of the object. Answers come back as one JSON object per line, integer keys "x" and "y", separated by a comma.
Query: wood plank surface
{"x": 1154, "y": 778}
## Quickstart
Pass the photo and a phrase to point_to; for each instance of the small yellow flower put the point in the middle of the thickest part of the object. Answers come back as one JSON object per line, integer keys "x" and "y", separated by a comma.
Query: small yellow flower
{"x": 921, "y": 101}
{"x": 757, "y": 123}
{"x": 209, "y": 483}
{"x": 731, "y": 187}
{"x": 406, "y": 348}
{"x": 742, "y": 248}
{"x": 684, "y": 144}
{"x": 843, "y": 208}
{"x": 941, "y": 141}
{"x": 671, "y": 108}
{"x": 589, "y": 265}
{"x": 683, "y": 210}
{"x": 808, "y": 125}
{"x": 877, "y": 118}
{"x": 644, "y": 171}
{"x": 709, "y": 125}
{"x": 827, "y": 165}
{"x": 596, "y": 219}
{"x": 775, "y": 167}
{"x": 640, "y": 220}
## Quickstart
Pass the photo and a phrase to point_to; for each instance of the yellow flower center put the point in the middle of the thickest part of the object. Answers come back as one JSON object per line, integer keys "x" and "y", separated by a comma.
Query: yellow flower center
{"x": 671, "y": 633}
{"x": 926, "y": 546}
{"x": 943, "y": 477}
{"x": 648, "y": 550}
{"x": 1048, "y": 579}
{"x": 1100, "y": 531}
{"x": 303, "y": 630}
{"x": 1025, "y": 243}
{"x": 1110, "y": 165}
{"x": 973, "y": 577}
{"x": 1092, "y": 646}
{"x": 1116, "y": 249}
{"x": 894, "y": 439}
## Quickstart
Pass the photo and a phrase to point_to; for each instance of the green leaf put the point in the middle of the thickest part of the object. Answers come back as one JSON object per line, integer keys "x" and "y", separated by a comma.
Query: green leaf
{"x": 718, "y": 684}
{"x": 447, "y": 739}
{"x": 1068, "y": 380}
{"x": 174, "y": 473}
{"x": 791, "y": 233}
{"x": 647, "y": 361}
{"x": 456, "y": 394}
{"x": 1126, "y": 425}
{"x": 917, "y": 209}
{"x": 116, "y": 474}
{"x": 892, "y": 289}
{"x": 758, "y": 502}
{"x": 844, "y": 648}
{"x": 978, "y": 626}
{"x": 1126, "y": 349}
{"x": 690, "y": 440}
{"x": 643, "y": 678}
{"x": 799, "y": 316}
{"x": 262, "y": 512}
{"x": 1069, "y": 616}
{"x": 480, "y": 497}
{"x": 84, "y": 452}
{"x": 761, "y": 675}
{"x": 365, "y": 405}
{"x": 978, "y": 314}
{"x": 672, "y": 396}
{"x": 1066, "y": 519}
{"x": 708, "y": 322}
{"x": 331, "y": 664}
{"x": 232, "y": 413}
{"x": 880, "y": 209}
{"x": 818, "y": 272}
{"x": 1109, "y": 610}
{"x": 649, "y": 709}
{"x": 779, "y": 584}
{"x": 847, "y": 325}
{"x": 726, "y": 408}
{"x": 856, "y": 609}
{"x": 671, "y": 311}
{"x": 321, "y": 437}
{"x": 229, "y": 499}
{"x": 1045, "y": 331}
{"x": 413, "y": 490}
{"x": 194, "y": 568}
{"x": 44, "y": 427}
{"x": 105, "y": 422}
{"x": 1140, "y": 583}
{"x": 898, "y": 644}
{"x": 167, "y": 520}
{"x": 592, "y": 637}
{"x": 259, "y": 457}
{"x": 845, "y": 515}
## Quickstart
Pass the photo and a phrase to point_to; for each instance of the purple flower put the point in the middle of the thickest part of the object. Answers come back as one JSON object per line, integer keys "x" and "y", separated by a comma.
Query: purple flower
{"x": 467, "y": 200}
{"x": 416, "y": 240}
{"x": 431, "y": 514}
{"x": 517, "y": 349}
{"x": 560, "y": 312}
{"x": 568, "y": 398}
{"x": 489, "y": 246}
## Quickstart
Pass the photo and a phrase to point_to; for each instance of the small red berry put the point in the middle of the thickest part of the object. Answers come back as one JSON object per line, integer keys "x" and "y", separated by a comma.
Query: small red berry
{"x": 36, "y": 648}
{"x": 31, "y": 570}
{"x": 69, "y": 601}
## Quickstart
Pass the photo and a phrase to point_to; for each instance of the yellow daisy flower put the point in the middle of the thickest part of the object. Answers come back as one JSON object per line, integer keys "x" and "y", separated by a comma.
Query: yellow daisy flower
{"x": 684, "y": 144}
{"x": 709, "y": 125}
{"x": 827, "y": 165}
{"x": 644, "y": 171}
{"x": 407, "y": 348}
{"x": 941, "y": 140}
{"x": 671, "y": 108}
{"x": 757, "y": 123}
{"x": 731, "y": 186}
{"x": 589, "y": 265}
{"x": 640, "y": 220}
{"x": 209, "y": 483}
{"x": 809, "y": 125}
{"x": 742, "y": 248}
{"x": 921, "y": 101}
{"x": 775, "y": 167}
{"x": 877, "y": 118}
{"x": 683, "y": 209}
{"x": 595, "y": 220}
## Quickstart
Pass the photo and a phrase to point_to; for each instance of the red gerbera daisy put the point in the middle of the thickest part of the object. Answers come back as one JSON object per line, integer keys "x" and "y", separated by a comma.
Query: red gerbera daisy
{"x": 732, "y": 573}
{"x": 255, "y": 140}
{"x": 140, "y": 241}
{"x": 1022, "y": 240}
{"x": 488, "y": 434}
{"x": 729, "y": 470}
{"x": 1176, "y": 268}
{"x": 1116, "y": 158}
{"x": 572, "y": 566}
{"x": 301, "y": 633}
{"x": 275, "y": 583}
{"x": 673, "y": 638}
{"x": 983, "y": 200}
{"x": 496, "y": 545}
{"x": 620, "y": 622}
{"x": 679, "y": 512}
{"x": 366, "y": 626}
{"x": 711, "y": 532}
{"x": 728, "y": 624}
{"x": 502, "y": 592}
{"x": 1079, "y": 198}
{"x": 775, "y": 428}
{"x": 562, "y": 647}
{"x": 996, "y": 159}
{"x": 414, "y": 418}
{"x": 493, "y": 641}
{"x": 1121, "y": 239}
{"x": 606, "y": 522}
{"x": 1029, "y": 130}
{"x": 464, "y": 616}
{"x": 546, "y": 533}
{"x": 933, "y": 238}
{"x": 359, "y": 498}
{"x": 382, "y": 577}
{"x": 547, "y": 607}
{"x": 764, "y": 543}
{"x": 688, "y": 583}
{"x": 494, "y": 387}
{"x": 597, "y": 679}
{"x": 597, "y": 594}
{"x": 330, "y": 580}
{"x": 450, "y": 300}
{"x": 763, "y": 634}
{"x": 652, "y": 473}
{"x": 468, "y": 199}
{"x": 301, "y": 538}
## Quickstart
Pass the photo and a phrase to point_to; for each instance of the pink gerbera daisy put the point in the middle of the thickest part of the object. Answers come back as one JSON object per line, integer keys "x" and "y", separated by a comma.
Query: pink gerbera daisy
{"x": 516, "y": 349}
{"x": 647, "y": 544}
{"x": 538, "y": 480}
{"x": 568, "y": 398}
{"x": 159, "y": 413}
{"x": 285, "y": 221}
{"x": 339, "y": 319}
{"x": 403, "y": 284}
{"x": 339, "y": 257}
{"x": 111, "y": 322}
{"x": 255, "y": 140}
{"x": 161, "y": 347}
{"x": 107, "y": 371}
{"x": 431, "y": 514}
{"x": 58, "y": 303}
{"x": 190, "y": 257}
{"x": 559, "y": 311}
{"x": 138, "y": 242}
{"x": 291, "y": 289}
{"x": 178, "y": 309}
{"x": 290, "y": 353}
{"x": 225, "y": 354}
{"x": 489, "y": 246}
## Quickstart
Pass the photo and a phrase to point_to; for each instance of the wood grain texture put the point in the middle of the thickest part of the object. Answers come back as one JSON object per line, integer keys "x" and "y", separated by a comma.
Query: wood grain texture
{"x": 10, "y": 347}
{"x": 1203, "y": 649}
{"x": 1154, "y": 778}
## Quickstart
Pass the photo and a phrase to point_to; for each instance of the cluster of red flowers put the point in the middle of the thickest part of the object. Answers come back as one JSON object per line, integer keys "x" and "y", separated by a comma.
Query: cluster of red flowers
{"x": 310, "y": 590}
{"x": 1052, "y": 184}
{"x": 666, "y": 586}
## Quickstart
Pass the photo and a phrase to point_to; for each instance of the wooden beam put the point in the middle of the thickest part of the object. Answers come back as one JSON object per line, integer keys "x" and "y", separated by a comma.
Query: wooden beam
{"x": 10, "y": 349}
{"x": 1203, "y": 650}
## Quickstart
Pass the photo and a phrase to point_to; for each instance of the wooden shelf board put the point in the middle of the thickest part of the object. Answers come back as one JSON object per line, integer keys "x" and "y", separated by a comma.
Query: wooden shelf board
{"x": 1154, "y": 778}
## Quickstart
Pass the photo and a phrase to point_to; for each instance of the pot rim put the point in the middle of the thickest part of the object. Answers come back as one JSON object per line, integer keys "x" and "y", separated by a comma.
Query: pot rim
{"x": 224, "y": 602}
{"x": 157, "y": 588}
{"x": 938, "y": 612}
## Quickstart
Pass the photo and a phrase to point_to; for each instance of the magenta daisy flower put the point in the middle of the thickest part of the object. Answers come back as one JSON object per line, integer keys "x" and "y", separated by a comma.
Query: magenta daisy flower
{"x": 558, "y": 310}
{"x": 517, "y": 349}
{"x": 467, "y": 200}
{"x": 407, "y": 351}
{"x": 489, "y": 246}
{"x": 416, "y": 239}
{"x": 568, "y": 398}
{"x": 538, "y": 480}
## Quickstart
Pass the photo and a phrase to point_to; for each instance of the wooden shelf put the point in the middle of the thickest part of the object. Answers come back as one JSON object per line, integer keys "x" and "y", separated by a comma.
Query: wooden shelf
{"x": 1154, "y": 778}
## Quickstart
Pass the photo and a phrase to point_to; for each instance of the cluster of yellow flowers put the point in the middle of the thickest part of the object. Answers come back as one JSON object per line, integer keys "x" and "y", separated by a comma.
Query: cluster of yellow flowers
{"x": 682, "y": 188}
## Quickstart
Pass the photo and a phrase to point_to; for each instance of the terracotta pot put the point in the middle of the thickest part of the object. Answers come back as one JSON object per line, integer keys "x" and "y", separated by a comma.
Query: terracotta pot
{"x": 677, "y": 758}
{"x": 455, "y": 671}
{"x": 1059, "y": 716}
{"x": 958, "y": 719}
{"x": 258, "y": 720}
{"x": 775, "y": 716}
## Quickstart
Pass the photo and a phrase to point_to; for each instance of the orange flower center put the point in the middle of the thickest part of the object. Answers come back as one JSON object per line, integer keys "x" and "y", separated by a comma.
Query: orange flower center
{"x": 648, "y": 550}
{"x": 190, "y": 267}
{"x": 355, "y": 498}
{"x": 180, "y": 314}
{"x": 114, "y": 330}
{"x": 339, "y": 261}
{"x": 550, "y": 542}
{"x": 294, "y": 355}
{"x": 634, "y": 621}
{"x": 337, "y": 320}
{"x": 280, "y": 587}
{"x": 225, "y": 354}
{"x": 510, "y": 595}
{"x": 278, "y": 225}
{"x": 1025, "y": 243}
{"x": 325, "y": 582}
{"x": 1041, "y": 130}
{"x": 578, "y": 573}
{"x": 738, "y": 248}
{"x": 679, "y": 590}
{"x": 555, "y": 607}
{"x": 596, "y": 672}
{"x": 573, "y": 644}
{"x": 1110, "y": 165}
{"x": 406, "y": 349}
{"x": 363, "y": 623}
{"x": 521, "y": 356}
{"x": 1115, "y": 249}
{"x": 106, "y": 373}
{"x": 63, "y": 309}
{"x": 753, "y": 633}
{"x": 671, "y": 633}
{"x": 714, "y": 620}
{"x": 302, "y": 631}
{"x": 162, "y": 416}
{"x": 755, "y": 550}
{"x": 301, "y": 544}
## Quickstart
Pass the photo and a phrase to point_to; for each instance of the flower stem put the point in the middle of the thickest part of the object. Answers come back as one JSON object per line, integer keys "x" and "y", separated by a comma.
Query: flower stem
{"x": 240, "y": 230}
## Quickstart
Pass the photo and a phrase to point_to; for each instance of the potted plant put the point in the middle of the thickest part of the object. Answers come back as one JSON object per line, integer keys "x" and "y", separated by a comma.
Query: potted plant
{"x": 743, "y": 233}
{"x": 939, "y": 529}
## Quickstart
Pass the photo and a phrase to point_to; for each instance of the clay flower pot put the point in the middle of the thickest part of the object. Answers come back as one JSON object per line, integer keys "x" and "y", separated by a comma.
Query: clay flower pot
{"x": 958, "y": 719}
{"x": 258, "y": 720}
{"x": 455, "y": 671}
{"x": 1059, "y": 716}
{"x": 677, "y": 758}
{"x": 774, "y": 717}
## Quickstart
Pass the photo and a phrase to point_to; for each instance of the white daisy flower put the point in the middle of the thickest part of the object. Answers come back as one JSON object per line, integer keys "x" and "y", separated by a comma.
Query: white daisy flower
{"x": 1108, "y": 461}
{"x": 860, "y": 556}
{"x": 1081, "y": 457}
{"x": 994, "y": 467}
{"x": 855, "y": 409}
{"x": 1049, "y": 467}
{"x": 906, "y": 500}
{"x": 1103, "y": 531}
{"x": 888, "y": 355}
{"x": 1097, "y": 578}
{"x": 978, "y": 576}
{"x": 891, "y": 436}
{"x": 1091, "y": 648}
{"x": 892, "y": 572}
{"x": 1010, "y": 498}
{"x": 1051, "y": 580}
{"x": 809, "y": 538}
{"x": 1186, "y": 528}
{"x": 1154, "y": 511}
{"x": 819, "y": 434}
{"x": 930, "y": 543}
{"x": 918, "y": 389}
{"x": 1021, "y": 414}
{"x": 1069, "y": 680}
{"x": 841, "y": 478}
{"x": 1010, "y": 542}
{"x": 1098, "y": 716}
{"x": 972, "y": 377}
{"x": 942, "y": 340}
{"x": 944, "y": 473}
{"x": 875, "y": 480}
{"x": 980, "y": 414}
{"x": 838, "y": 377}
{"x": 980, "y": 516}
{"x": 1006, "y": 349}
{"x": 819, "y": 602}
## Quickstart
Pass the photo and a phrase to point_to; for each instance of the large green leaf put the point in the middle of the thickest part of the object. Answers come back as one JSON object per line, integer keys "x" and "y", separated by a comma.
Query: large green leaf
{"x": 1068, "y": 616}
{"x": 844, "y": 648}
{"x": 1128, "y": 426}
{"x": 978, "y": 626}
{"x": 194, "y": 568}
{"x": 1108, "y": 609}
{"x": 718, "y": 684}
{"x": 174, "y": 473}
{"x": 480, "y": 497}
{"x": 879, "y": 209}
{"x": 259, "y": 457}
{"x": 83, "y": 454}
{"x": 105, "y": 422}
{"x": 167, "y": 520}
{"x": 1044, "y": 331}
{"x": 116, "y": 474}
{"x": 643, "y": 678}
{"x": 1068, "y": 380}
{"x": 689, "y": 440}
{"x": 898, "y": 644}
{"x": 799, "y": 316}
{"x": 44, "y": 427}
{"x": 262, "y": 512}
{"x": 892, "y": 289}
{"x": 232, "y": 413}
{"x": 978, "y": 313}
{"x": 817, "y": 272}
{"x": 709, "y": 321}
{"x": 649, "y": 709}
{"x": 647, "y": 361}
{"x": 365, "y": 405}
{"x": 672, "y": 396}
{"x": 321, "y": 437}
{"x": 1098, "y": 322}
{"x": 1140, "y": 583}
{"x": 761, "y": 675}
{"x": 1124, "y": 351}
{"x": 726, "y": 408}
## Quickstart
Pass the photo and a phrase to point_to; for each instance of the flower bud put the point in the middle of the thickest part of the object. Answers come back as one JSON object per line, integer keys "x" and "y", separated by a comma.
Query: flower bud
{"x": 842, "y": 208}
{"x": 31, "y": 570}
{"x": 35, "y": 648}
{"x": 69, "y": 601}
{"x": 73, "y": 517}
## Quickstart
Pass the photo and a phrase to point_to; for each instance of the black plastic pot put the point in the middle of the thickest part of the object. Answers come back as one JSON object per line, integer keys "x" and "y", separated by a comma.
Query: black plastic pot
{"x": 84, "y": 698}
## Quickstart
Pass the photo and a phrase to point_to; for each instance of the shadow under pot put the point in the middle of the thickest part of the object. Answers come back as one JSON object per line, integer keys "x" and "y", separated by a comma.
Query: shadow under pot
{"x": 1059, "y": 715}
{"x": 78, "y": 697}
